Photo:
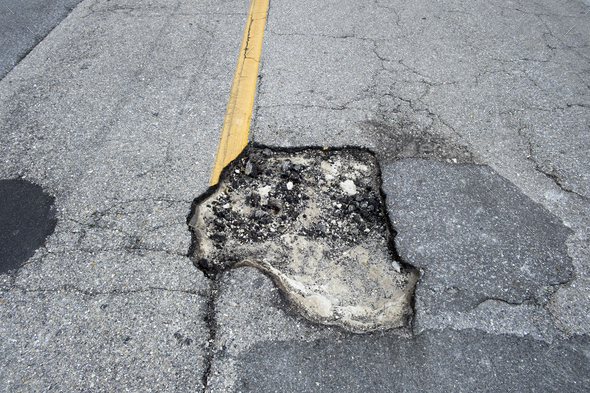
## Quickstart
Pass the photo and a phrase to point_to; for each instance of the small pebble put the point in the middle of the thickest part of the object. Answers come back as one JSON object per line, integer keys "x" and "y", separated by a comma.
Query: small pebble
{"x": 286, "y": 165}
{"x": 255, "y": 158}
{"x": 251, "y": 169}
{"x": 321, "y": 227}
{"x": 348, "y": 187}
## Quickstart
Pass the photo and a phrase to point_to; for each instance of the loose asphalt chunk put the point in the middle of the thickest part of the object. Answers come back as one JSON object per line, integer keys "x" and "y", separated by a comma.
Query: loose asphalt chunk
{"x": 314, "y": 220}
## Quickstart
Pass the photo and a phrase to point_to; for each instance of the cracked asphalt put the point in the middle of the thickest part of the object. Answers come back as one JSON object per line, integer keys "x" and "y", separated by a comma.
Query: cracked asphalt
{"x": 478, "y": 112}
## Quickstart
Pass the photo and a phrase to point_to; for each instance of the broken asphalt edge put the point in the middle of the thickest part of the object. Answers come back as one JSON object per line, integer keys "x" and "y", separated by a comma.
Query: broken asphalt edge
{"x": 210, "y": 272}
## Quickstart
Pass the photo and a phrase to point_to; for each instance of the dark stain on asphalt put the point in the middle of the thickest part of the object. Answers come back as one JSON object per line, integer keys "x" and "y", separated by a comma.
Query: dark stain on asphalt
{"x": 27, "y": 218}
{"x": 405, "y": 139}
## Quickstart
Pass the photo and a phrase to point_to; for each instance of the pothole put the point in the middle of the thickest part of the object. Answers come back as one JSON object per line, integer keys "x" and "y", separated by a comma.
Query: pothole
{"x": 27, "y": 218}
{"x": 314, "y": 220}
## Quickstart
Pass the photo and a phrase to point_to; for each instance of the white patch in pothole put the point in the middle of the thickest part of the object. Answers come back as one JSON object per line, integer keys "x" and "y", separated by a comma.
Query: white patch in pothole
{"x": 348, "y": 187}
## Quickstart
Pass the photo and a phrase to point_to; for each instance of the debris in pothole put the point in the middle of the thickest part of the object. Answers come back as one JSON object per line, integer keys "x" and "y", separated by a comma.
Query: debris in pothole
{"x": 314, "y": 221}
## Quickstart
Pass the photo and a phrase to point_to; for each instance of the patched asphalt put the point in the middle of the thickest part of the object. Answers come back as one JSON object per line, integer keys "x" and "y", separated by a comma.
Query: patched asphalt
{"x": 27, "y": 217}
{"x": 436, "y": 361}
{"x": 477, "y": 114}
{"x": 487, "y": 241}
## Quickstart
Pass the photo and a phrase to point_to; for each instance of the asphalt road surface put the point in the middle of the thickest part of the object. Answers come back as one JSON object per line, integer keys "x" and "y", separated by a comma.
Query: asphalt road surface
{"x": 23, "y": 24}
{"x": 478, "y": 112}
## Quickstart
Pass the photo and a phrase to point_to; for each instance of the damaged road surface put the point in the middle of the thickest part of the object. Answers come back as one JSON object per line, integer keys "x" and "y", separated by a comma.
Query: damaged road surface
{"x": 313, "y": 220}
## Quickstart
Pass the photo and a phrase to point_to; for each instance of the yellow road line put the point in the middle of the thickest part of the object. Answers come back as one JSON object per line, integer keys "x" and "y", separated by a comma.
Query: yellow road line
{"x": 234, "y": 133}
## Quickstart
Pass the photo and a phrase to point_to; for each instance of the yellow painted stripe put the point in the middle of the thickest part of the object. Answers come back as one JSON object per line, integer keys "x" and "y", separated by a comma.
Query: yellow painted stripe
{"x": 234, "y": 133}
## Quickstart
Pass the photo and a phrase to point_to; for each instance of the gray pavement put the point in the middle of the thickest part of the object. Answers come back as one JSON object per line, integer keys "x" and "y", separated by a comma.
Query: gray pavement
{"x": 24, "y": 23}
{"x": 478, "y": 112}
{"x": 115, "y": 115}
